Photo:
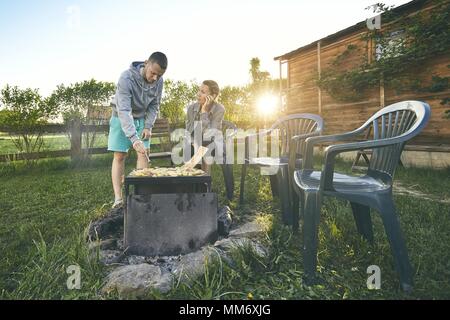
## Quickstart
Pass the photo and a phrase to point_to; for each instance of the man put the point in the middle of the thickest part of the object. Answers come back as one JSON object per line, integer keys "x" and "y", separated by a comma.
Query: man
{"x": 135, "y": 108}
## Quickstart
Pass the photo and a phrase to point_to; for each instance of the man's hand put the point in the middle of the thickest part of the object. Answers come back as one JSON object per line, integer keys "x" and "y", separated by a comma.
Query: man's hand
{"x": 146, "y": 134}
{"x": 138, "y": 145}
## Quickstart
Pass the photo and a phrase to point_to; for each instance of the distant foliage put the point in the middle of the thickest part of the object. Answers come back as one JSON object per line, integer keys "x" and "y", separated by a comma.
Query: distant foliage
{"x": 24, "y": 115}
{"x": 236, "y": 101}
{"x": 177, "y": 95}
{"x": 83, "y": 101}
{"x": 239, "y": 101}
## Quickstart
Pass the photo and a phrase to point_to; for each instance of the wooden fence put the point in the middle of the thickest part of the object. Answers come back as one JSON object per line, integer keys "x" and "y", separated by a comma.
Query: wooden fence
{"x": 161, "y": 129}
{"x": 75, "y": 130}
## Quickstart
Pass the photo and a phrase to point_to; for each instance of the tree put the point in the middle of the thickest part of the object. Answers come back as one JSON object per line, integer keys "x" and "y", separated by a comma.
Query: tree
{"x": 81, "y": 102}
{"x": 24, "y": 116}
{"x": 258, "y": 76}
{"x": 177, "y": 95}
{"x": 237, "y": 104}
{"x": 261, "y": 85}
{"x": 4, "y": 114}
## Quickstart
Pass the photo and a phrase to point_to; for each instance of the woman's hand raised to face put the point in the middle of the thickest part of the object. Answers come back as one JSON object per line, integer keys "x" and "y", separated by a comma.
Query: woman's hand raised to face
{"x": 209, "y": 100}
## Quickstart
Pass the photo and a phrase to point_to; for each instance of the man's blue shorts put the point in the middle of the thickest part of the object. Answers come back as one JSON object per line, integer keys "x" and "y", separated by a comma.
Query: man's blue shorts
{"x": 118, "y": 141}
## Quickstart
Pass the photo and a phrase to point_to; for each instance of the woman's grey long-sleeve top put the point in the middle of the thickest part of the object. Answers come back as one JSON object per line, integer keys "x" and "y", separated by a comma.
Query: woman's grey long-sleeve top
{"x": 209, "y": 120}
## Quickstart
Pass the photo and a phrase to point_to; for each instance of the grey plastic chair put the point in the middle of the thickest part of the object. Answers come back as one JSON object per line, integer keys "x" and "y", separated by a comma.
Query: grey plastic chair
{"x": 293, "y": 129}
{"x": 392, "y": 127}
{"x": 230, "y": 131}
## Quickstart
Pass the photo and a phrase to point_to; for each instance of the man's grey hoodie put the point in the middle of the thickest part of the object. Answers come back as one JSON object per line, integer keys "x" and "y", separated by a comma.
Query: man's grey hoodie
{"x": 135, "y": 98}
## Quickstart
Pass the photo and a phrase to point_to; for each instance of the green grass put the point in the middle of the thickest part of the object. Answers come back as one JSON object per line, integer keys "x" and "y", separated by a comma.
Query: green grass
{"x": 53, "y": 142}
{"x": 45, "y": 210}
{"x": 343, "y": 257}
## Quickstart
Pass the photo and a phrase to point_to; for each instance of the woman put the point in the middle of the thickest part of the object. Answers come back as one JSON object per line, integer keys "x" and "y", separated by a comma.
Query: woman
{"x": 206, "y": 111}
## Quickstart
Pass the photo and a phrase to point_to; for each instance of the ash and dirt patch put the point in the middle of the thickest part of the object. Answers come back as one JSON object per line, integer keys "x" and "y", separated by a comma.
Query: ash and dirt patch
{"x": 133, "y": 276}
{"x": 412, "y": 191}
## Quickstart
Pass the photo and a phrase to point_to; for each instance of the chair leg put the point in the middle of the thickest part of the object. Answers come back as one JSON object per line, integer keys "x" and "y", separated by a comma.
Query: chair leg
{"x": 311, "y": 219}
{"x": 363, "y": 221}
{"x": 296, "y": 205}
{"x": 274, "y": 185}
{"x": 397, "y": 243}
{"x": 366, "y": 158}
{"x": 241, "y": 191}
{"x": 227, "y": 170}
{"x": 285, "y": 201}
{"x": 355, "y": 162}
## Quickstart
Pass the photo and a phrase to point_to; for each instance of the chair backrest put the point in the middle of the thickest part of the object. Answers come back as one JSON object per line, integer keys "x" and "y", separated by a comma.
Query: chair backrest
{"x": 401, "y": 121}
{"x": 296, "y": 124}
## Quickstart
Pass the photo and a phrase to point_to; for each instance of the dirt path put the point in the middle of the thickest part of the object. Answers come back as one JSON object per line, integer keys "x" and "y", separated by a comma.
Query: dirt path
{"x": 410, "y": 191}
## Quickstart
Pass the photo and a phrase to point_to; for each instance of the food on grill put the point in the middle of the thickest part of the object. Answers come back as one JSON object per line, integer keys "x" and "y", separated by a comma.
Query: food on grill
{"x": 167, "y": 172}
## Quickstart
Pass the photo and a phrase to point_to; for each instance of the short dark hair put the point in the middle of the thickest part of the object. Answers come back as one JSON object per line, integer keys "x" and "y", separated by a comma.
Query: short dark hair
{"x": 160, "y": 58}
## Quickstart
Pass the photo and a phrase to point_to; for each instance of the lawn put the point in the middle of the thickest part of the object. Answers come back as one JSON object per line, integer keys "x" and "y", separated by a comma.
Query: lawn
{"x": 45, "y": 210}
{"x": 51, "y": 142}
{"x": 54, "y": 142}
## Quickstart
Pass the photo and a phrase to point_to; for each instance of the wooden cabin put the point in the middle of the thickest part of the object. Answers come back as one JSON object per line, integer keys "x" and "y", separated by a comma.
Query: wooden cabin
{"x": 306, "y": 64}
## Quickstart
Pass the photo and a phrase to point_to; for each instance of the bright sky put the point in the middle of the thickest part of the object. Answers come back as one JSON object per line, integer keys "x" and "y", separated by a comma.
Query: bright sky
{"x": 48, "y": 42}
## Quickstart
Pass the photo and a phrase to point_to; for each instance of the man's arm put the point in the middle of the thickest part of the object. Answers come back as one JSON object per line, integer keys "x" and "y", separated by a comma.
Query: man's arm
{"x": 123, "y": 99}
{"x": 153, "y": 108}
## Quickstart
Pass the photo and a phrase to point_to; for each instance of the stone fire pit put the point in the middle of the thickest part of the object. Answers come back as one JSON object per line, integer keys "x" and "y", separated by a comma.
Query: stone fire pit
{"x": 134, "y": 275}
{"x": 169, "y": 215}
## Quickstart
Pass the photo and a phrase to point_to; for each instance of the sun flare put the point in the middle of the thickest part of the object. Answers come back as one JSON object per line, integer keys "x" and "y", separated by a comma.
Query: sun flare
{"x": 267, "y": 104}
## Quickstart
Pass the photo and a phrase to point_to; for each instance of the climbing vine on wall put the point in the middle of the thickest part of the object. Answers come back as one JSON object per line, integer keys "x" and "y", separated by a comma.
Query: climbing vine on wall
{"x": 398, "y": 55}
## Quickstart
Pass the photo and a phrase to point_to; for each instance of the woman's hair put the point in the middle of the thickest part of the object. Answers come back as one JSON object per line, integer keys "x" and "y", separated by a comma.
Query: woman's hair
{"x": 212, "y": 86}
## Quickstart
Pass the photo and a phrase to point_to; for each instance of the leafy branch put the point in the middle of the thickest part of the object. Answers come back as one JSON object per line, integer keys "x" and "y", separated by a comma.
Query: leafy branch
{"x": 400, "y": 51}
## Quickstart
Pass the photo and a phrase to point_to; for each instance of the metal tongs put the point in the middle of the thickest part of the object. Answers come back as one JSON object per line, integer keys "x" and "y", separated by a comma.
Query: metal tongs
{"x": 146, "y": 155}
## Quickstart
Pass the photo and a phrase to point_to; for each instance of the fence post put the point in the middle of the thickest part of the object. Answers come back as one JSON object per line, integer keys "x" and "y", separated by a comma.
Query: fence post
{"x": 75, "y": 139}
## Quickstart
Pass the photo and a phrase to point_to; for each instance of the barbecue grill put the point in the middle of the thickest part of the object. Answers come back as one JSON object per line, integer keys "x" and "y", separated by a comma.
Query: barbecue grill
{"x": 169, "y": 215}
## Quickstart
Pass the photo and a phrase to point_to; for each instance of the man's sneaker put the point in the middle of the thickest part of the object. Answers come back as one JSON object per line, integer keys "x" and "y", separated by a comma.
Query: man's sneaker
{"x": 117, "y": 204}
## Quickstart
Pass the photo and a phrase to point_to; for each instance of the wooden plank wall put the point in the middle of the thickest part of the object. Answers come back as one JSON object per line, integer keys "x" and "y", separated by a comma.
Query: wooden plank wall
{"x": 304, "y": 96}
{"x": 340, "y": 116}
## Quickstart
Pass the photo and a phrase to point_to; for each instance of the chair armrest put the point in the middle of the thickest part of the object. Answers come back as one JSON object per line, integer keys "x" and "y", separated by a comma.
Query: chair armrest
{"x": 260, "y": 133}
{"x": 334, "y": 137}
{"x": 304, "y": 136}
{"x": 293, "y": 150}
{"x": 310, "y": 142}
{"x": 247, "y": 137}
{"x": 254, "y": 135}
{"x": 326, "y": 179}
{"x": 370, "y": 144}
